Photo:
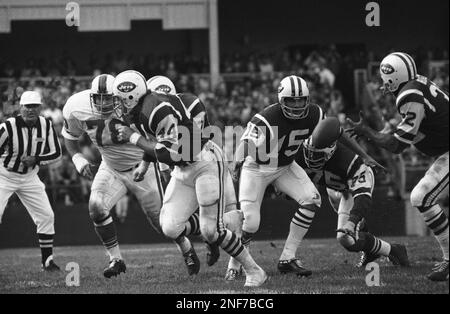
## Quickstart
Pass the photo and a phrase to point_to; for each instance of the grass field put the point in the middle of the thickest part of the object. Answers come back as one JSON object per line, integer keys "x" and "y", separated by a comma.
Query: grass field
{"x": 160, "y": 269}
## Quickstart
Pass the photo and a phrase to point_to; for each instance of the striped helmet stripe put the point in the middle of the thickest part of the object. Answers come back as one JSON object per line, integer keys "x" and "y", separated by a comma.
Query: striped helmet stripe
{"x": 300, "y": 89}
{"x": 102, "y": 84}
{"x": 291, "y": 78}
{"x": 413, "y": 64}
{"x": 408, "y": 67}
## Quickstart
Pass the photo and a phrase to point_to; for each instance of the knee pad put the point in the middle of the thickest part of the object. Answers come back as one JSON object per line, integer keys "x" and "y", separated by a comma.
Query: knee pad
{"x": 233, "y": 220}
{"x": 417, "y": 196}
{"x": 208, "y": 191}
{"x": 315, "y": 200}
{"x": 252, "y": 217}
{"x": 209, "y": 230}
{"x": 170, "y": 230}
{"x": 97, "y": 210}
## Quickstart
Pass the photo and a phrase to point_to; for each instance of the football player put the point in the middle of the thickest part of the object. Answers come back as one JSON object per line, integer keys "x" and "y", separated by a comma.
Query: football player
{"x": 266, "y": 156}
{"x": 424, "y": 110}
{"x": 349, "y": 184}
{"x": 198, "y": 178}
{"x": 124, "y": 166}
{"x": 197, "y": 110}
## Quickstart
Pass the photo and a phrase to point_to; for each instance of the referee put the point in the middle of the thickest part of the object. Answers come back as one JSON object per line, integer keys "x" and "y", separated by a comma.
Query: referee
{"x": 26, "y": 142}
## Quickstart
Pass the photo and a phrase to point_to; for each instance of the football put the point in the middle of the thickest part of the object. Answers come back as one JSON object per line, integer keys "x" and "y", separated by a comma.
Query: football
{"x": 326, "y": 132}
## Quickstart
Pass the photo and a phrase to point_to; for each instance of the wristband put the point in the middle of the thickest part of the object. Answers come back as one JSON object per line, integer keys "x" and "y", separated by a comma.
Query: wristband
{"x": 79, "y": 161}
{"x": 134, "y": 138}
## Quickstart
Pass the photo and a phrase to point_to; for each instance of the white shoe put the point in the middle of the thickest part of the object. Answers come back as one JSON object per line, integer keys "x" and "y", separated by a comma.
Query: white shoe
{"x": 255, "y": 278}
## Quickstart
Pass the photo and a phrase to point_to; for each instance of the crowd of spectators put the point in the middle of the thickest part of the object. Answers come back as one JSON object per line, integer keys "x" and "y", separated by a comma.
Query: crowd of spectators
{"x": 249, "y": 83}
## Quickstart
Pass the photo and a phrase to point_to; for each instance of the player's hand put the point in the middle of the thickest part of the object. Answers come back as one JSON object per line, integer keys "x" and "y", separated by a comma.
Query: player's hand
{"x": 139, "y": 173}
{"x": 88, "y": 172}
{"x": 124, "y": 133}
{"x": 356, "y": 128}
{"x": 29, "y": 161}
{"x": 372, "y": 163}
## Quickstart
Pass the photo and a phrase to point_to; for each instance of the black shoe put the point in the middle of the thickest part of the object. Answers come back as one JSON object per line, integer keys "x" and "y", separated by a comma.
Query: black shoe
{"x": 399, "y": 255}
{"x": 366, "y": 258}
{"x": 213, "y": 254}
{"x": 293, "y": 266}
{"x": 192, "y": 262}
{"x": 51, "y": 267}
{"x": 116, "y": 266}
{"x": 440, "y": 272}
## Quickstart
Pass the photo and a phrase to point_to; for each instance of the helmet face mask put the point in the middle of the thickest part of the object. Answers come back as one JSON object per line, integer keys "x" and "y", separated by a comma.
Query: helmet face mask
{"x": 316, "y": 158}
{"x": 101, "y": 96}
{"x": 295, "y": 107}
{"x": 103, "y": 104}
{"x": 293, "y": 97}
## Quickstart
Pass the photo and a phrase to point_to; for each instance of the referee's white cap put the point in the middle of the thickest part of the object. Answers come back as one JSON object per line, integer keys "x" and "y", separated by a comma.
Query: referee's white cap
{"x": 31, "y": 98}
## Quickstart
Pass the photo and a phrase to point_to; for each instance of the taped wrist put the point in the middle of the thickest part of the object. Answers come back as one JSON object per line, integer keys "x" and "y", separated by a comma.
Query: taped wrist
{"x": 79, "y": 161}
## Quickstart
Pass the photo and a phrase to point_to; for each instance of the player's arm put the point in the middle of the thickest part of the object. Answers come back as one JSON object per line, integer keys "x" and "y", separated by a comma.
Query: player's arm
{"x": 165, "y": 125}
{"x": 72, "y": 132}
{"x": 3, "y": 136}
{"x": 166, "y": 149}
{"x": 361, "y": 185}
{"x": 350, "y": 143}
{"x": 54, "y": 146}
{"x": 148, "y": 145}
{"x": 385, "y": 140}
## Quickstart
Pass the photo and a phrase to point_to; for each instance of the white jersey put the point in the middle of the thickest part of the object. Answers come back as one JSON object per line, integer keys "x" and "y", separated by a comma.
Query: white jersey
{"x": 79, "y": 118}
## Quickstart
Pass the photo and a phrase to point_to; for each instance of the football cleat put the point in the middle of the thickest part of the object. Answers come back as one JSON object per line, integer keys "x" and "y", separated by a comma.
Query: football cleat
{"x": 51, "y": 267}
{"x": 116, "y": 266}
{"x": 212, "y": 254}
{"x": 399, "y": 255}
{"x": 233, "y": 274}
{"x": 192, "y": 262}
{"x": 348, "y": 238}
{"x": 255, "y": 277}
{"x": 440, "y": 272}
{"x": 293, "y": 266}
{"x": 366, "y": 258}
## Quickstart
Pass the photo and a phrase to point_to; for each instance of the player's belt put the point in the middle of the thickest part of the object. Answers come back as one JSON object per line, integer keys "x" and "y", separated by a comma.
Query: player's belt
{"x": 128, "y": 170}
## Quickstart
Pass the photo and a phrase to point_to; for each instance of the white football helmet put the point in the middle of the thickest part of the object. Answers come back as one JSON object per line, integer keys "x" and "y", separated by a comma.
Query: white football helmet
{"x": 293, "y": 96}
{"x": 316, "y": 158}
{"x": 161, "y": 84}
{"x": 397, "y": 68}
{"x": 129, "y": 86}
{"x": 102, "y": 100}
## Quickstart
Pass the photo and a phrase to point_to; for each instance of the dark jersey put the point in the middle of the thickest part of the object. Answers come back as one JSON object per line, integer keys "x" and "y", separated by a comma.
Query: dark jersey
{"x": 166, "y": 118}
{"x": 196, "y": 108}
{"x": 424, "y": 110}
{"x": 278, "y": 138}
{"x": 340, "y": 173}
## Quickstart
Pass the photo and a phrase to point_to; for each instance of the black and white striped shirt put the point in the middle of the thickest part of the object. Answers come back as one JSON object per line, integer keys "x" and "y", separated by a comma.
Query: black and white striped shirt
{"x": 18, "y": 140}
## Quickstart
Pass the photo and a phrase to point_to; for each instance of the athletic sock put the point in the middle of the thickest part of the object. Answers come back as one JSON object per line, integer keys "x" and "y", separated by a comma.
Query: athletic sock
{"x": 46, "y": 245}
{"x": 299, "y": 227}
{"x": 106, "y": 231}
{"x": 437, "y": 221}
